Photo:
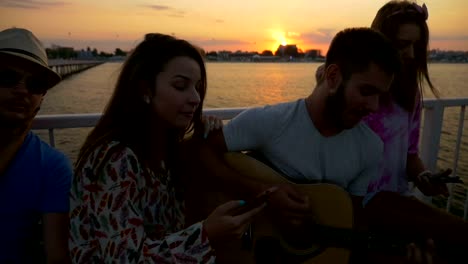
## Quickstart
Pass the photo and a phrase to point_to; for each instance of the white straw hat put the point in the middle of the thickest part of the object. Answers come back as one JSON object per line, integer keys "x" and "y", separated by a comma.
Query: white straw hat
{"x": 21, "y": 44}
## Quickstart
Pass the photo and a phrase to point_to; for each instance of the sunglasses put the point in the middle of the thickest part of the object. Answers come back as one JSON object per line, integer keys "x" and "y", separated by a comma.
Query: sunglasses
{"x": 10, "y": 78}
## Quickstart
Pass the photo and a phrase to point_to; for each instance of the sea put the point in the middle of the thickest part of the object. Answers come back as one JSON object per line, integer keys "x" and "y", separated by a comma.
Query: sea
{"x": 246, "y": 84}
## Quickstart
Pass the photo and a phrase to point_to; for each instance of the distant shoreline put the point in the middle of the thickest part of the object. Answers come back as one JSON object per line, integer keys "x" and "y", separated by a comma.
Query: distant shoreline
{"x": 226, "y": 61}
{"x": 449, "y": 62}
{"x": 212, "y": 61}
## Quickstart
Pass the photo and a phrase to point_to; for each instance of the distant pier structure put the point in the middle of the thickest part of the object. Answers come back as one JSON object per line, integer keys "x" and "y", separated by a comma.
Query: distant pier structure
{"x": 66, "y": 68}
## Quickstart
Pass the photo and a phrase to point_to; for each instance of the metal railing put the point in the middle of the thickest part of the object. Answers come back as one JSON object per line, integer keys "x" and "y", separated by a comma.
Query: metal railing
{"x": 430, "y": 139}
{"x": 431, "y": 134}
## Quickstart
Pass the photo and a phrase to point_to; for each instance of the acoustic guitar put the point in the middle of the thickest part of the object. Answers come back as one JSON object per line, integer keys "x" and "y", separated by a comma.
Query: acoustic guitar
{"x": 327, "y": 237}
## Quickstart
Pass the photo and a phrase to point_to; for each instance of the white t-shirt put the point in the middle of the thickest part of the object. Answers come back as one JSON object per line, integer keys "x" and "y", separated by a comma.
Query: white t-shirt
{"x": 286, "y": 136}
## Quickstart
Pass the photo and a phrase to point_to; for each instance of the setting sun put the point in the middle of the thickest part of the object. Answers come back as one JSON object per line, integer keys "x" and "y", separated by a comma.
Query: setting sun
{"x": 279, "y": 38}
{"x": 107, "y": 25}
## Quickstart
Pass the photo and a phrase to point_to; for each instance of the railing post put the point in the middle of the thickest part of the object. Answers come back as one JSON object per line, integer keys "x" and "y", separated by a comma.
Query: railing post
{"x": 51, "y": 137}
{"x": 461, "y": 122}
{"x": 430, "y": 140}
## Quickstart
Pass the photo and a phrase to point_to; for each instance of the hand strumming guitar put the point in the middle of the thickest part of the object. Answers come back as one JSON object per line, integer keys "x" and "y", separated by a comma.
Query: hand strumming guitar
{"x": 289, "y": 205}
{"x": 421, "y": 254}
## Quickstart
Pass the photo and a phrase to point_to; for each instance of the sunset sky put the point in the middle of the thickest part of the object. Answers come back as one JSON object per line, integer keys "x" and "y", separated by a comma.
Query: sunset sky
{"x": 248, "y": 25}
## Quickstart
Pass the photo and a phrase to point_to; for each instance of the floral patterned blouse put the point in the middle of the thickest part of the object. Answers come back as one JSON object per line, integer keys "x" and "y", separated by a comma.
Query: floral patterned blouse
{"x": 121, "y": 212}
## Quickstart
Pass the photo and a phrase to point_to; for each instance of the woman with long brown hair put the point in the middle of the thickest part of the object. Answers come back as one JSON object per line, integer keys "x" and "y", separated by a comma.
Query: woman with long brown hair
{"x": 398, "y": 119}
{"x": 397, "y": 122}
{"x": 127, "y": 201}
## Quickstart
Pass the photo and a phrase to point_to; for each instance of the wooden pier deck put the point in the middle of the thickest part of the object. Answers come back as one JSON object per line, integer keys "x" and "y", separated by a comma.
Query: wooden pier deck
{"x": 66, "y": 68}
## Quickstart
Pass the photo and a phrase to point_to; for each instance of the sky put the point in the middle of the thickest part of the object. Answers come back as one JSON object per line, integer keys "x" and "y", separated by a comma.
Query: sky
{"x": 247, "y": 25}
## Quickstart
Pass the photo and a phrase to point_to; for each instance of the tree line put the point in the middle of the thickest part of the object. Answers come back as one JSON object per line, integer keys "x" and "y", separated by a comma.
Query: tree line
{"x": 57, "y": 52}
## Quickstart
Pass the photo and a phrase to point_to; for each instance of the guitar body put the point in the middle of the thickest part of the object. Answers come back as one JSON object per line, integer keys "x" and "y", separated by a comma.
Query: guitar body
{"x": 330, "y": 206}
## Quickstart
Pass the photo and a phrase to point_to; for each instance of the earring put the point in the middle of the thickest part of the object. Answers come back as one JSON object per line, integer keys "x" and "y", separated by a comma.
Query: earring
{"x": 146, "y": 99}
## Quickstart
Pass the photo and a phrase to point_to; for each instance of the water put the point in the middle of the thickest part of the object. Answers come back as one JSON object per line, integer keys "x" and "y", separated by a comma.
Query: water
{"x": 252, "y": 84}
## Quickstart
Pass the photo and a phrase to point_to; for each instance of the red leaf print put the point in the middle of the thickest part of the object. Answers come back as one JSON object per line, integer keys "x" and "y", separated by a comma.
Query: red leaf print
{"x": 154, "y": 196}
{"x": 113, "y": 222}
{"x": 75, "y": 212}
{"x": 139, "y": 196}
{"x": 112, "y": 248}
{"x": 100, "y": 234}
{"x": 113, "y": 174}
{"x": 83, "y": 212}
{"x": 132, "y": 190}
{"x": 160, "y": 260}
{"x": 103, "y": 202}
{"x": 87, "y": 255}
{"x": 208, "y": 256}
{"x": 119, "y": 200}
{"x": 94, "y": 243}
{"x": 117, "y": 155}
{"x": 124, "y": 233}
{"x": 135, "y": 238}
{"x": 106, "y": 251}
{"x": 125, "y": 184}
{"x": 148, "y": 215}
{"x": 92, "y": 202}
{"x": 175, "y": 244}
{"x": 204, "y": 235}
{"x": 93, "y": 187}
{"x": 84, "y": 233}
{"x": 182, "y": 258}
{"x": 136, "y": 221}
{"x": 110, "y": 199}
{"x": 121, "y": 247}
{"x": 145, "y": 250}
{"x": 131, "y": 175}
{"x": 75, "y": 253}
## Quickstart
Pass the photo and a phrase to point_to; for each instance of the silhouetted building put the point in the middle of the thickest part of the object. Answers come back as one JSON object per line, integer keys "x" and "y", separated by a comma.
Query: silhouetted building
{"x": 313, "y": 53}
{"x": 287, "y": 51}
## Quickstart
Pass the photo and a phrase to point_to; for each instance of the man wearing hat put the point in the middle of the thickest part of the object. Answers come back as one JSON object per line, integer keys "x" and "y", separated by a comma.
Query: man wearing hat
{"x": 34, "y": 177}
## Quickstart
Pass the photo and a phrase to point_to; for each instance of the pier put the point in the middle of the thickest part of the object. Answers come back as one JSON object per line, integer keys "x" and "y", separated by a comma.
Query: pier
{"x": 66, "y": 68}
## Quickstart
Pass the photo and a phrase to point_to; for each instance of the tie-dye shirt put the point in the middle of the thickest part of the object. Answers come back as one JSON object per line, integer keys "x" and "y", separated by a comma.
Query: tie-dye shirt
{"x": 399, "y": 131}
{"x": 122, "y": 212}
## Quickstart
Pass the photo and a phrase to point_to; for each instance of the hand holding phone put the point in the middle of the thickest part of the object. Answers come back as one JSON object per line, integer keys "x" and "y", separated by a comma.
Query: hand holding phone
{"x": 444, "y": 177}
{"x": 255, "y": 202}
{"x": 432, "y": 184}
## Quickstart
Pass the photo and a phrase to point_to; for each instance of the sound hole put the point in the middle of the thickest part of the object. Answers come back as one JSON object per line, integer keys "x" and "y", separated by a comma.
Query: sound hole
{"x": 270, "y": 250}
{"x": 301, "y": 240}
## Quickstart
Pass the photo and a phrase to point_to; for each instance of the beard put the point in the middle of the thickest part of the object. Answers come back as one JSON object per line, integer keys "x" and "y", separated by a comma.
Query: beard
{"x": 16, "y": 124}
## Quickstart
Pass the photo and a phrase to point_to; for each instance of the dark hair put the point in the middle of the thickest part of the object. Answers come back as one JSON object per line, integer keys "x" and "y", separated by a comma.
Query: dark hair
{"x": 126, "y": 117}
{"x": 354, "y": 49}
{"x": 388, "y": 20}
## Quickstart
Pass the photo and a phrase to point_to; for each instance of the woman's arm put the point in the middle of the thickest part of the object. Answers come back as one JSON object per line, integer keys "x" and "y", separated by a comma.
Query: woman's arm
{"x": 414, "y": 166}
{"x": 108, "y": 222}
{"x": 417, "y": 173}
{"x": 55, "y": 229}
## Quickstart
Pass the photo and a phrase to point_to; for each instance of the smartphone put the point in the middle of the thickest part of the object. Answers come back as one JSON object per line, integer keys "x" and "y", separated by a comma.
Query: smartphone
{"x": 437, "y": 178}
{"x": 254, "y": 203}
